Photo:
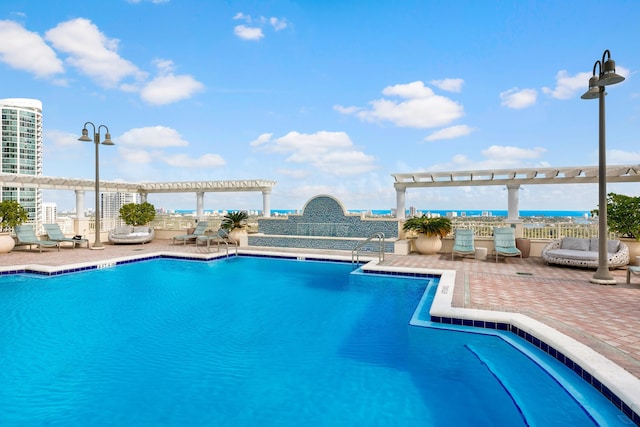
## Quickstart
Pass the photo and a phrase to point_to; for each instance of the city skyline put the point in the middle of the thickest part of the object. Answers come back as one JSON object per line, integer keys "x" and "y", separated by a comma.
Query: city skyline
{"x": 324, "y": 98}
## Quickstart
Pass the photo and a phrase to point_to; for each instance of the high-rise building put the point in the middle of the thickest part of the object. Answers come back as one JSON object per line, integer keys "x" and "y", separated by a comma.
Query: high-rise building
{"x": 112, "y": 202}
{"x": 49, "y": 213}
{"x": 22, "y": 151}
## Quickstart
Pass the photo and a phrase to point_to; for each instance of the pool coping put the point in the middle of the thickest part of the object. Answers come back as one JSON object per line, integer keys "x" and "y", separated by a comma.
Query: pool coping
{"x": 615, "y": 383}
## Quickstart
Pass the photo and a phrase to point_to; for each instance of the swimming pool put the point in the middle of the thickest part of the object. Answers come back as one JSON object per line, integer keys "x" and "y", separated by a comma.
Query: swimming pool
{"x": 255, "y": 341}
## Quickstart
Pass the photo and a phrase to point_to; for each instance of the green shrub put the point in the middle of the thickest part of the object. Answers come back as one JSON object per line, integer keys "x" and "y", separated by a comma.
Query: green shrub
{"x": 623, "y": 215}
{"x": 137, "y": 214}
{"x": 12, "y": 213}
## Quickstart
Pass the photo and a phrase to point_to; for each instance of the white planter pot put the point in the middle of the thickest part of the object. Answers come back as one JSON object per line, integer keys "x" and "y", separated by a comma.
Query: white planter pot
{"x": 6, "y": 243}
{"x": 234, "y": 235}
{"x": 428, "y": 245}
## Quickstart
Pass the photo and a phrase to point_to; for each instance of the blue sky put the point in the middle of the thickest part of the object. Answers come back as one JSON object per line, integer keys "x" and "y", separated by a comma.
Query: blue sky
{"x": 326, "y": 97}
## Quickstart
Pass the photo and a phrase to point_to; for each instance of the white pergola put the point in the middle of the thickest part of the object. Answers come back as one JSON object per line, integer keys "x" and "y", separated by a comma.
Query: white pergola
{"x": 511, "y": 178}
{"x": 144, "y": 188}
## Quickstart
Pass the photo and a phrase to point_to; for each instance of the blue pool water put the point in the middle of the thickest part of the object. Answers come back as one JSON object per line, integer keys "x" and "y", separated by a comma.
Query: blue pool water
{"x": 253, "y": 341}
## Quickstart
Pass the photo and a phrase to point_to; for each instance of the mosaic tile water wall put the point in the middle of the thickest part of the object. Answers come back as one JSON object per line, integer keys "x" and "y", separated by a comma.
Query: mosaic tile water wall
{"x": 324, "y": 216}
{"x": 337, "y": 244}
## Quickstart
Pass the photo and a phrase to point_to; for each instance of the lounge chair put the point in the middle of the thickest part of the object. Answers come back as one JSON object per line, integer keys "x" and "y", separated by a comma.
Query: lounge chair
{"x": 56, "y": 235}
{"x": 504, "y": 240}
{"x": 201, "y": 227}
{"x": 221, "y": 236}
{"x": 463, "y": 244}
{"x": 27, "y": 237}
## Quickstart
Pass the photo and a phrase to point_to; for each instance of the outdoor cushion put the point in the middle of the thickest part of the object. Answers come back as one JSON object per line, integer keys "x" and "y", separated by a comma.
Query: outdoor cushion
{"x": 144, "y": 229}
{"x": 574, "y": 254}
{"x": 612, "y": 245}
{"x": 575, "y": 244}
{"x": 123, "y": 230}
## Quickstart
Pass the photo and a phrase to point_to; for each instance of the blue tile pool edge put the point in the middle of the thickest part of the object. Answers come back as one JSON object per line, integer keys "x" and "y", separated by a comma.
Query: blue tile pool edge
{"x": 454, "y": 316}
{"x": 614, "y": 383}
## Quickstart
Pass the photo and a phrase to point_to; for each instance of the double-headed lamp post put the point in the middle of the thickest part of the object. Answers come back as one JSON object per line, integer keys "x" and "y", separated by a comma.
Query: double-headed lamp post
{"x": 606, "y": 76}
{"x": 97, "y": 244}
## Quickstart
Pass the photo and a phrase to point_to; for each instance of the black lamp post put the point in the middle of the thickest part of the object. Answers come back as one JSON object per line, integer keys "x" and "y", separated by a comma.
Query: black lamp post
{"x": 606, "y": 76}
{"x": 97, "y": 244}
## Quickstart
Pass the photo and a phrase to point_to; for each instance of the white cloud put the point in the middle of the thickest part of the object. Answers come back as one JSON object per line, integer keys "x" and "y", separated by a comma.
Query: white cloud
{"x": 26, "y": 50}
{"x": 262, "y": 139}
{"x": 512, "y": 153}
{"x": 131, "y": 146}
{"x": 61, "y": 139}
{"x": 518, "y": 98}
{"x": 346, "y": 110}
{"x": 421, "y": 108}
{"x": 620, "y": 157}
{"x": 248, "y": 33}
{"x": 278, "y": 24}
{"x": 135, "y": 155}
{"x": 166, "y": 89}
{"x": 254, "y": 28}
{"x": 242, "y": 16}
{"x": 495, "y": 157}
{"x": 450, "y": 133}
{"x": 184, "y": 161}
{"x": 294, "y": 173}
{"x": 92, "y": 53}
{"x": 568, "y": 86}
{"x": 329, "y": 152}
{"x": 153, "y": 136}
{"x": 450, "y": 85}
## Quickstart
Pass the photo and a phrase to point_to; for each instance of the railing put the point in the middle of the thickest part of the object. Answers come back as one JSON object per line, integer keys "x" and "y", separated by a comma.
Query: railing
{"x": 355, "y": 253}
{"x": 533, "y": 231}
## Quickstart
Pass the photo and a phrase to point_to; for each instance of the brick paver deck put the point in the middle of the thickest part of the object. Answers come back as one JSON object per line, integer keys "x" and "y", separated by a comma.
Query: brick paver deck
{"x": 605, "y": 318}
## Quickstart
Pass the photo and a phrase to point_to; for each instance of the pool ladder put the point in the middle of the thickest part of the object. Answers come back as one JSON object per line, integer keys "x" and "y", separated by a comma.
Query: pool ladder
{"x": 355, "y": 253}
{"x": 221, "y": 237}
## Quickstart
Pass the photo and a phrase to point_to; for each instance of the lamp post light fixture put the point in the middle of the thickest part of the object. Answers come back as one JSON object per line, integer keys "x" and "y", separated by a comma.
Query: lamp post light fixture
{"x": 97, "y": 244}
{"x": 606, "y": 76}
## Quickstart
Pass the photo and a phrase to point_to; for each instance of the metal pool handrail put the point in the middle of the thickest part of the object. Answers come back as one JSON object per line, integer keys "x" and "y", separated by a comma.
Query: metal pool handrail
{"x": 355, "y": 253}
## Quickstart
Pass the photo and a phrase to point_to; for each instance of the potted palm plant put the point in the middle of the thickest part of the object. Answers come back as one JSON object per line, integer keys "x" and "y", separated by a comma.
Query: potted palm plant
{"x": 430, "y": 231}
{"x": 235, "y": 223}
{"x": 12, "y": 213}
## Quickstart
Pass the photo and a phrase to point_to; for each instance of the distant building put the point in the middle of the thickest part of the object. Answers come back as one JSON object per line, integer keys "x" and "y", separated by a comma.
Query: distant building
{"x": 21, "y": 135}
{"x": 112, "y": 202}
{"x": 49, "y": 213}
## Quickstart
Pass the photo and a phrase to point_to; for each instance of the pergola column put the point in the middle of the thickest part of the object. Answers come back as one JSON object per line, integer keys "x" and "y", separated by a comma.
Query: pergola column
{"x": 143, "y": 197}
{"x": 266, "y": 203}
{"x": 400, "y": 202}
{"x": 81, "y": 224}
{"x": 80, "y": 204}
{"x": 514, "y": 211}
{"x": 200, "y": 204}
